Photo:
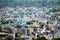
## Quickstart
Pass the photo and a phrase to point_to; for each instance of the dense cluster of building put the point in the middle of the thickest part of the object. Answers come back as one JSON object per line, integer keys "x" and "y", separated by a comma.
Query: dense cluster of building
{"x": 36, "y": 22}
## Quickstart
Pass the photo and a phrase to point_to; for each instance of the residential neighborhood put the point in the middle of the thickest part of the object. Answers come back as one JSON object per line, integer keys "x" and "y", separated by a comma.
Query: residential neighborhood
{"x": 29, "y": 22}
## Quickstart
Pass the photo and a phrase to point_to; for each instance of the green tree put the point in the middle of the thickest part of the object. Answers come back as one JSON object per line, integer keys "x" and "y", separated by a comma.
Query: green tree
{"x": 40, "y": 38}
{"x": 29, "y": 23}
{"x": 56, "y": 39}
{"x": 33, "y": 39}
{"x": 11, "y": 21}
{"x": 6, "y": 27}
{"x": 16, "y": 34}
{"x": 9, "y": 38}
{"x": 3, "y": 21}
{"x": 26, "y": 26}
{"x": 53, "y": 17}
{"x": 21, "y": 38}
{"x": 35, "y": 28}
{"x": 41, "y": 25}
{"x": 0, "y": 29}
{"x": 33, "y": 20}
{"x": 19, "y": 26}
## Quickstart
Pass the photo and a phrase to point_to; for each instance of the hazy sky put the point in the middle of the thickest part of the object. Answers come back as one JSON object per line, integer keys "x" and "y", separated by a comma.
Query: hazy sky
{"x": 29, "y": 0}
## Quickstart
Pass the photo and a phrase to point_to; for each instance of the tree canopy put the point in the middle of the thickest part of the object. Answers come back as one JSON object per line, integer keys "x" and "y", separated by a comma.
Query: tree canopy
{"x": 0, "y": 29}
{"x": 41, "y": 25}
{"x": 9, "y": 38}
{"x": 29, "y": 23}
{"x": 56, "y": 39}
{"x": 40, "y": 38}
{"x": 19, "y": 26}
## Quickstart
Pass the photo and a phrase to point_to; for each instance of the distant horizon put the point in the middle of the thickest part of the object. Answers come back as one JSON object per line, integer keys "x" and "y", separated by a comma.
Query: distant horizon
{"x": 29, "y": 0}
